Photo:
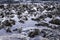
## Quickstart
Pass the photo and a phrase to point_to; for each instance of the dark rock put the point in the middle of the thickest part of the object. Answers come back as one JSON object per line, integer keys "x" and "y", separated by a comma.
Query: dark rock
{"x": 37, "y": 25}
{"x": 47, "y": 33}
{"x": 43, "y": 16}
{"x": 55, "y": 21}
{"x": 25, "y": 18}
{"x": 19, "y": 16}
{"x": 1, "y": 6}
{"x": 2, "y": 15}
{"x": 43, "y": 34}
{"x": 7, "y": 13}
{"x": 53, "y": 8}
{"x": 12, "y": 21}
{"x": 36, "y": 19}
{"x": 42, "y": 24}
{"x": 1, "y": 26}
{"x": 48, "y": 9}
{"x": 7, "y": 23}
{"x": 15, "y": 29}
{"x": 8, "y": 30}
{"x": 45, "y": 7}
{"x": 20, "y": 30}
{"x": 25, "y": 6}
{"x": 49, "y": 15}
{"x": 11, "y": 16}
{"x": 19, "y": 13}
{"x": 31, "y": 11}
{"x": 34, "y": 33}
{"x": 21, "y": 21}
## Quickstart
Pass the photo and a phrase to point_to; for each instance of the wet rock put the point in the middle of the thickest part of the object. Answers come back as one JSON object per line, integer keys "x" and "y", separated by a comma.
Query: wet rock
{"x": 34, "y": 33}
{"x": 55, "y": 21}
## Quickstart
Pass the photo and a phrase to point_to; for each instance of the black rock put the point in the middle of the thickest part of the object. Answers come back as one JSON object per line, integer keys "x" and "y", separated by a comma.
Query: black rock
{"x": 42, "y": 16}
{"x": 21, "y": 21}
{"x": 36, "y": 19}
{"x": 1, "y": 26}
{"x": 37, "y": 25}
{"x": 20, "y": 30}
{"x": 19, "y": 16}
{"x": 48, "y": 9}
{"x": 12, "y": 21}
{"x": 45, "y": 7}
{"x": 31, "y": 11}
{"x": 34, "y": 33}
{"x": 15, "y": 29}
{"x": 43, "y": 34}
{"x": 8, "y": 30}
{"x": 49, "y": 15}
{"x": 55, "y": 21}
{"x": 11, "y": 16}
{"x": 19, "y": 13}
{"x": 42, "y": 24}
{"x": 7, "y": 23}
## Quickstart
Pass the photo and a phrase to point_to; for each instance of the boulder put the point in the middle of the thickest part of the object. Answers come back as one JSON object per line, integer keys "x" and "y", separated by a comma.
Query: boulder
{"x": 6, "y": 23}
{"x": 55, "y": 21}
{"x": 34, "y": 33}
{"x": 42, "y": 24}
{"x": 8, "y": 30}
